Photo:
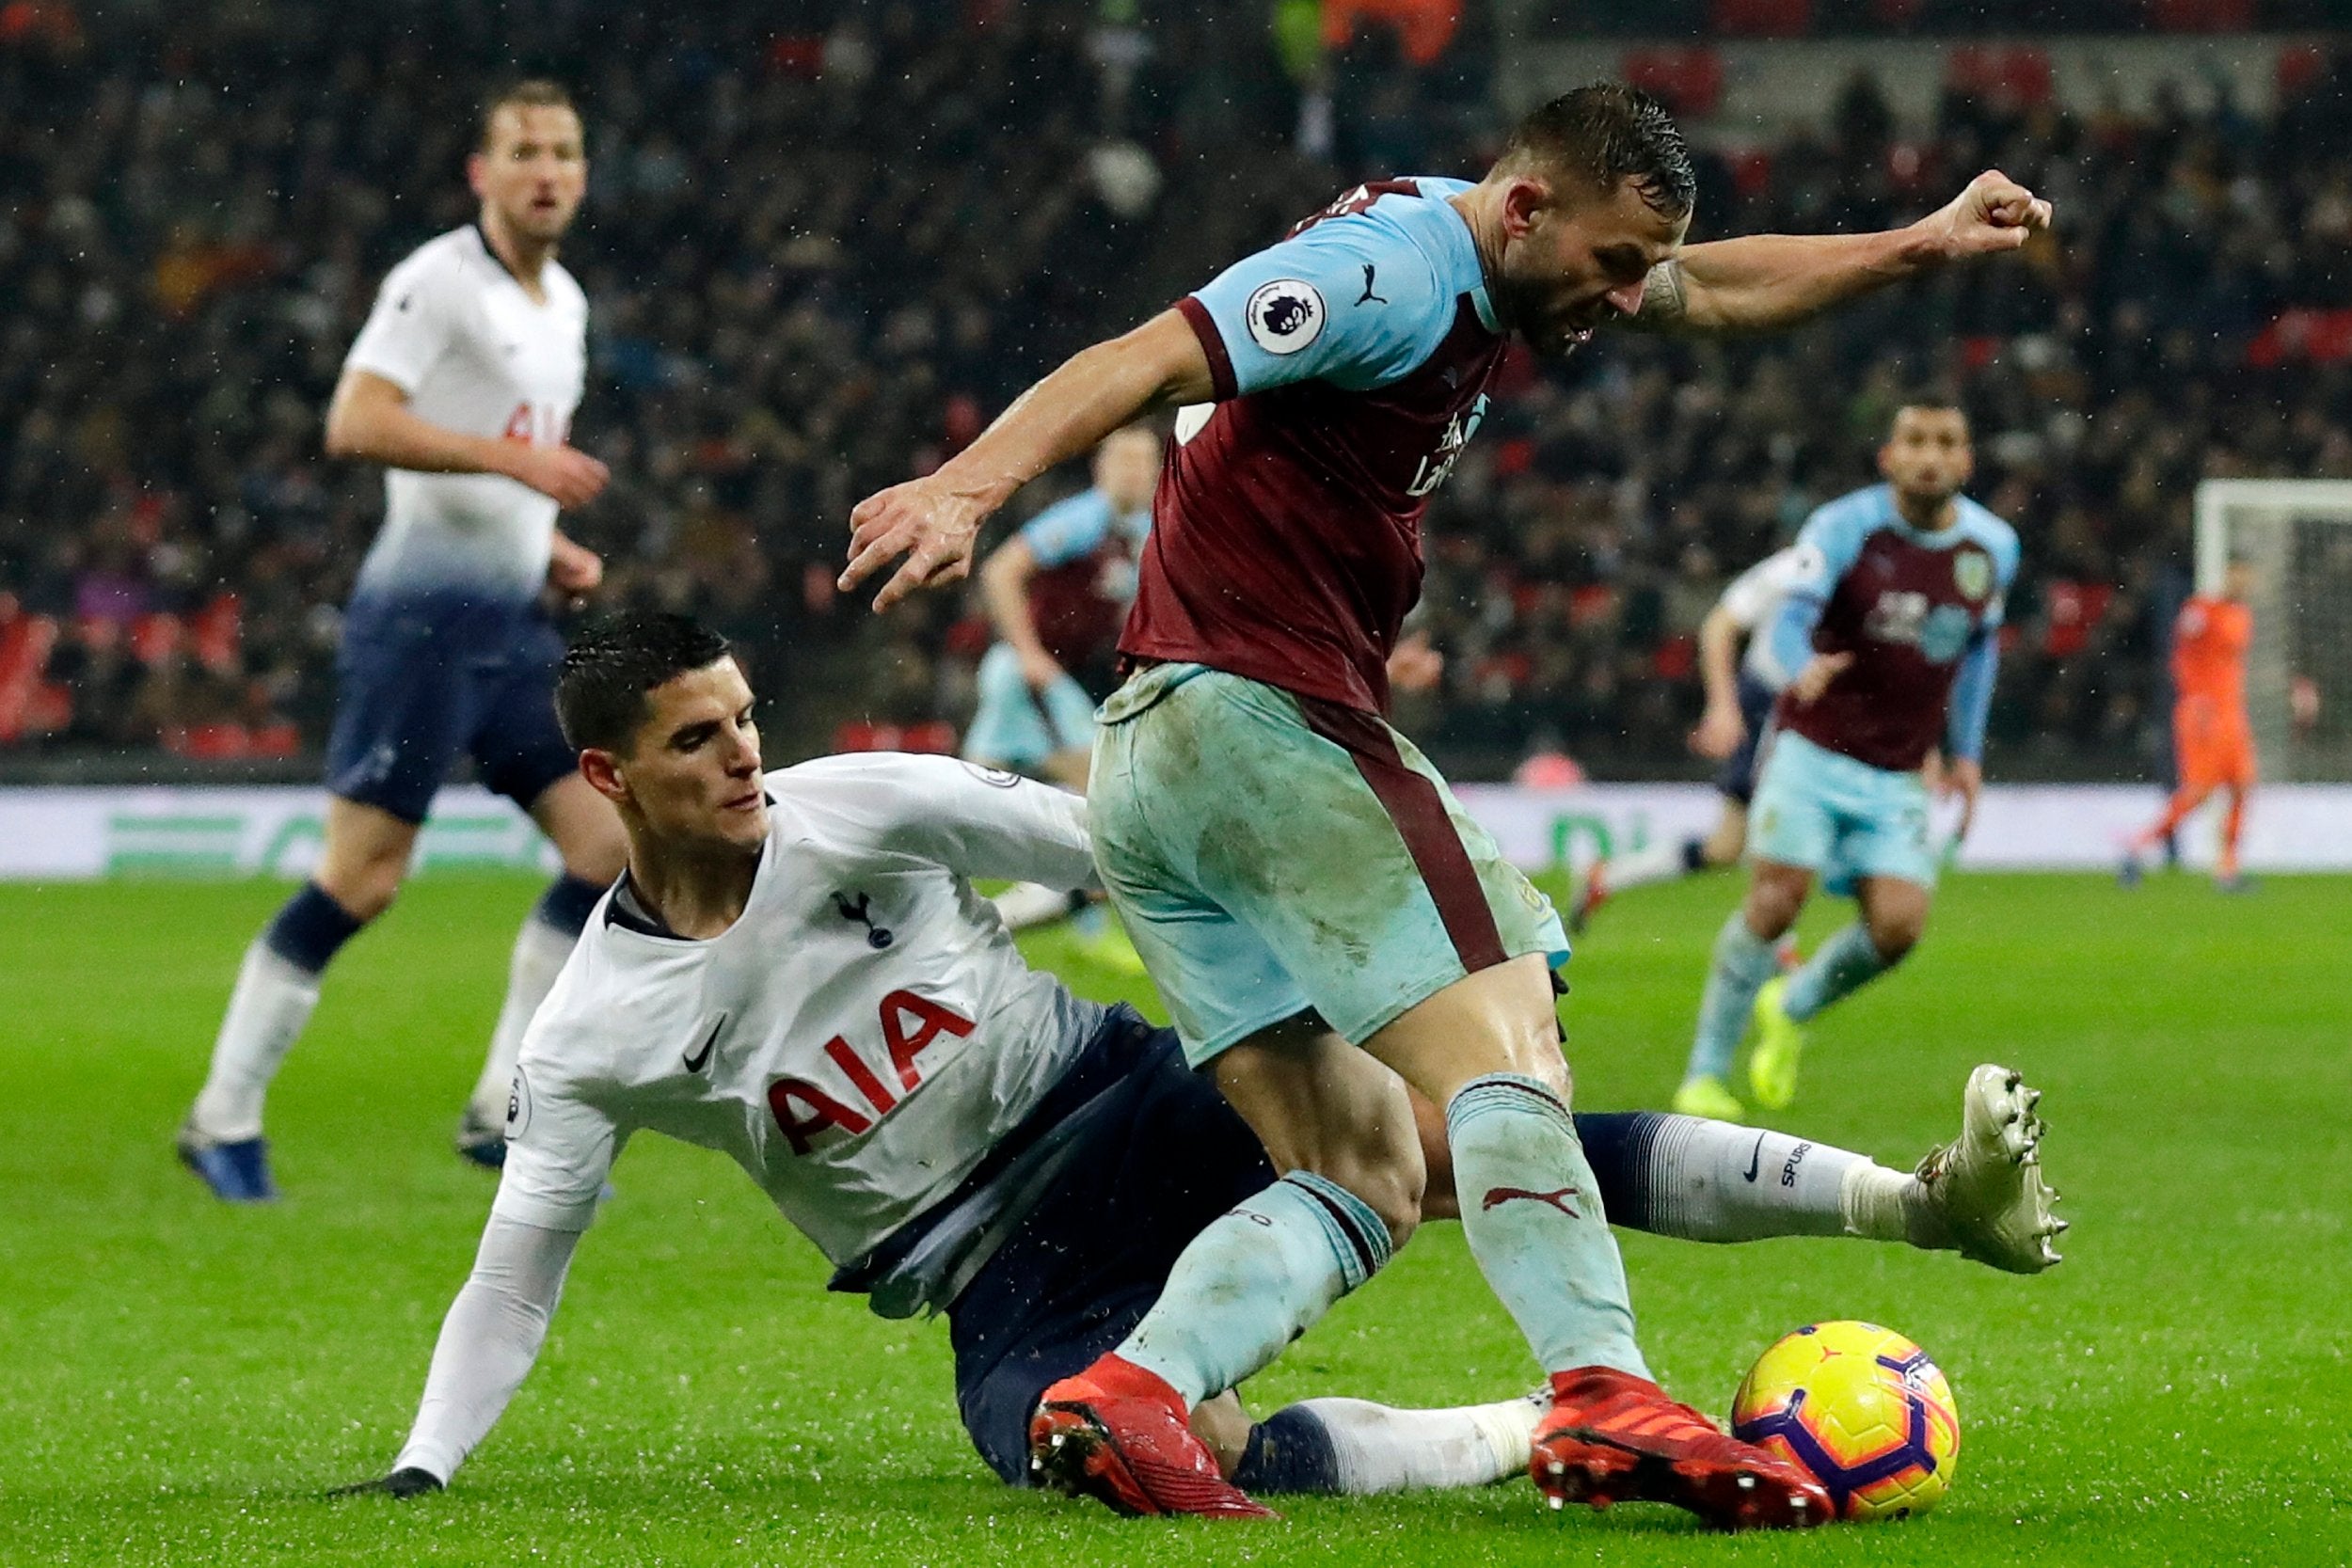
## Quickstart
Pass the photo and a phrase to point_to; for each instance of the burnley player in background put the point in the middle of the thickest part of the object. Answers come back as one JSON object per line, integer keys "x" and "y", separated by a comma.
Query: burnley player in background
{"x": 1887, "y": 641}
{"x": 1057, "y": 594}
{"x": 1320, "y": 916}
{"x": 2213, "y": 741}
{"x": 462, "y": 385}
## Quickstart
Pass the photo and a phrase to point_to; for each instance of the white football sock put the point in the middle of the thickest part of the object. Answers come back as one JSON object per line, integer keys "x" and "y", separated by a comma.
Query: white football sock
{"x": 1719, "y": 1181}
{"x": 1378, "y": 1448}
{"x": 1654, "y": 863}
{"x": 540, "y": 950}
{"x": 1892, "y": 1206}
{"x": 266, "y": 1012}
{"x": 1027, "y": 904}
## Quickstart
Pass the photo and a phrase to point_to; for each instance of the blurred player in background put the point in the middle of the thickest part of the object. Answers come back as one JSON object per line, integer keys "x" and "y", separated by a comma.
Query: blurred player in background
{"x": 1057, "y": 592}
{"x": 1324, "y": 921}
{"x": 462, "y": 384}
{"x": 1740, "y": 698}
{"x": 1886, "y": 641}
{"x": 2213, "y": 741}
{"x": 969, "y": 1138}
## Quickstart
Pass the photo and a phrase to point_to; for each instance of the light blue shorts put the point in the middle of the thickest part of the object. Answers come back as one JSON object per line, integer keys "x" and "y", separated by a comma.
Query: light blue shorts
{"x": 1270, "y": 853}
{"x": 1839, "y": 819}
{"x": 1019, "y": 728}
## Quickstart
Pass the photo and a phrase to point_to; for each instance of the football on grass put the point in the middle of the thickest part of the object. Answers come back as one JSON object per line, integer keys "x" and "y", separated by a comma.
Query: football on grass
{"x": 1860, "y": 1407}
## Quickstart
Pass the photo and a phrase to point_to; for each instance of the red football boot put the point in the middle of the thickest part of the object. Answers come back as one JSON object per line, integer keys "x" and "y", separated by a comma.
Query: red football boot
{"x": 1119, "y": 1433}
{"x": 1612, "y": 1437}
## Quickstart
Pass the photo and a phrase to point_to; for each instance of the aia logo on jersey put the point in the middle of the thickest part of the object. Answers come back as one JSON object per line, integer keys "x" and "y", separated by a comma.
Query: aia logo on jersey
{"x": 536, "y": 426}
{"x": 1439, "y": 464}
{"x": 1285, "y": 315}
{"x": 909, "y": 1024}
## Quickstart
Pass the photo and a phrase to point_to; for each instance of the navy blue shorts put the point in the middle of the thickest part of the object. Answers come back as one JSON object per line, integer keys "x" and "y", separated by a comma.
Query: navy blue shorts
{"x": 423, "y": 678}
{"x": 1163, "y": 1156}
{"x": 1736, "y": 779}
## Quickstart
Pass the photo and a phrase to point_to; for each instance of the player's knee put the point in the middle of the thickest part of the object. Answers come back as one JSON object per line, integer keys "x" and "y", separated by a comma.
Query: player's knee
{"x": 1380, "y": 1162}
{"x": 1895, "y": 936}
{"x": 365, "y": 887}
{"x": 1772, "y": 907}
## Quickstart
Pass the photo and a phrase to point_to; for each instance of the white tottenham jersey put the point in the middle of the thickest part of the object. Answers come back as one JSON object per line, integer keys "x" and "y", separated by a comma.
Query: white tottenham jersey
{"x": 860, "y": 1038}
{"x": 453, "y": 329}
{"x": 1753, "y": 600}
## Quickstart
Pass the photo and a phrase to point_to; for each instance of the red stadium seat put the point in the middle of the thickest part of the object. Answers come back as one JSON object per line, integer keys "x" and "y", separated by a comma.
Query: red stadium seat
{"x": 1676, "y": 657}
{"x": 157, "y": 637}
{"x": 28, "y": 704}
{"x": 2300, "y": 68}
{"x": 2202, "y": 16}
{"x": 1762, "y": 19}
{"x": 2075, "y": 610}
{"x": 2011, "y": 75}
{"x": 207, "y": 742}
{"x": 935, "y": 736}
{"x": 213, "y": 632}
{"x": 1688, "y": 81}
{"x": 864, "y": 735}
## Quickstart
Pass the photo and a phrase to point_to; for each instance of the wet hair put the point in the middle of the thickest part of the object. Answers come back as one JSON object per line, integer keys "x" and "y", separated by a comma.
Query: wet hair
{"x": 614, "y": 662}
{"x": 535, "y": 92}
{"x": 1607, "y": 133}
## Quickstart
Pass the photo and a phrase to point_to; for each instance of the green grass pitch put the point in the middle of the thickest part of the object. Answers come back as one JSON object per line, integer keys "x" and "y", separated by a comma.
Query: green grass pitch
{"x": 178, "y": 1383}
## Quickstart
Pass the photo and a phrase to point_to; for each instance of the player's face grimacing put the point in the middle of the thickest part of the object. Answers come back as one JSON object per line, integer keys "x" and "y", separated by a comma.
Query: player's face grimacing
{"x": 1574, "y": 260}
{"x": 1927, "y": 457}
{"x": 533, "y": 171}
{"x": 690, "y": 779}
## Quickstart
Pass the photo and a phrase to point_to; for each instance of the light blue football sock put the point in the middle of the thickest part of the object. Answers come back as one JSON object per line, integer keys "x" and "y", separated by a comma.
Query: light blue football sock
{"x": 1532, "y": 1213}
{"x": 1743, "y": 962}
{"x": 1846, "y": 963}
{"x": 1253, "y": 1280}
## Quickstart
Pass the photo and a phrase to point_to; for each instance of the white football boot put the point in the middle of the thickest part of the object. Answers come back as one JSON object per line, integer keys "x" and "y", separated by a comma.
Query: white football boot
{"x": 1986, "y": 1186}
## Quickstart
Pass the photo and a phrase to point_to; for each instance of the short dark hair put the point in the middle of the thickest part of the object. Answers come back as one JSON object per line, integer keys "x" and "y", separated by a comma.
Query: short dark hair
{"x": 1606, "y": 132}
{"x": 614, "y": 661}
{"x": 1936, "y": 398}
{"x": 533, "y": 92}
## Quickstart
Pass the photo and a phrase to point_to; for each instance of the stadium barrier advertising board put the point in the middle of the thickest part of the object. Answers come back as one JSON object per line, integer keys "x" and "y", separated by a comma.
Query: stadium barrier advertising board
{"x": 86, "y": 834}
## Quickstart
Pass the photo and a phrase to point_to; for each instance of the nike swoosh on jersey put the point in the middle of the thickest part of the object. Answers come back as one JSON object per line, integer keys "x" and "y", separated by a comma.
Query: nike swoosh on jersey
{"x": 697, "y": 1062}
{"x": 1756, "y": 1159}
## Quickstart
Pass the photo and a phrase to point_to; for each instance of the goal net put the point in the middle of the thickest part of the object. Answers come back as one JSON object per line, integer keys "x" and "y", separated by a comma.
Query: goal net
{"x": 2297, "y": 535}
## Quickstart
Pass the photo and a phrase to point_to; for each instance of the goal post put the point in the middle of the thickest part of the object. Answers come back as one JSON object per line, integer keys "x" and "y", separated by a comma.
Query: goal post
{"x": 2297, "y": 536}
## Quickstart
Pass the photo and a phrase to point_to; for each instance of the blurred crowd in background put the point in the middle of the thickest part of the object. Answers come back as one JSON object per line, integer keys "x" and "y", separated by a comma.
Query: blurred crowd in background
{"x": 820, "y": 257}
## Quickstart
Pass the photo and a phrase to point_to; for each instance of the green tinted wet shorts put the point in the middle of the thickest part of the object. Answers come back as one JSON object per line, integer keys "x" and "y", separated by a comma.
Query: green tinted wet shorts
{"x": 1271, "y": 853}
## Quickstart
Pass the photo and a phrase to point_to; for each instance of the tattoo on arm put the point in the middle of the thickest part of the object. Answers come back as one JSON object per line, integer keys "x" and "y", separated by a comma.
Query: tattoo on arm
{"x": 1664, "y": 302}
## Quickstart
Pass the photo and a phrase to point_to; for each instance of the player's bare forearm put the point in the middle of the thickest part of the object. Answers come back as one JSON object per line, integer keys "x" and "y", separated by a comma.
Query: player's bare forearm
{"x": 1718, "y": 671}
{"x": 370, "y": 420}
{"x": 1762, "y": 281}
{"x": 933, "y": 521}
{"x": 1758, "y": 282}
{"x": 1093, "y": 393}
{"x": 1004, "y": 591}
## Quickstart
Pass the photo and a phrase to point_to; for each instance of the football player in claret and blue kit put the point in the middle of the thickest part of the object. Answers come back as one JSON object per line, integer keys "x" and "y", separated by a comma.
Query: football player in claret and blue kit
{"x": 1887, "y": 642}
{"x": 1327, "y": 925}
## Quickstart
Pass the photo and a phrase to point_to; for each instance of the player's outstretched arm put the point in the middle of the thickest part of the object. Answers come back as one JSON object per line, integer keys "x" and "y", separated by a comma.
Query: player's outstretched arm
{"x": 932, "y": 521}
{"x": 1720, "y": 728}
{"x": 1760, "y": 281}
{"x": 370, "y": 420}
{"x": 487, "y": 1345}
